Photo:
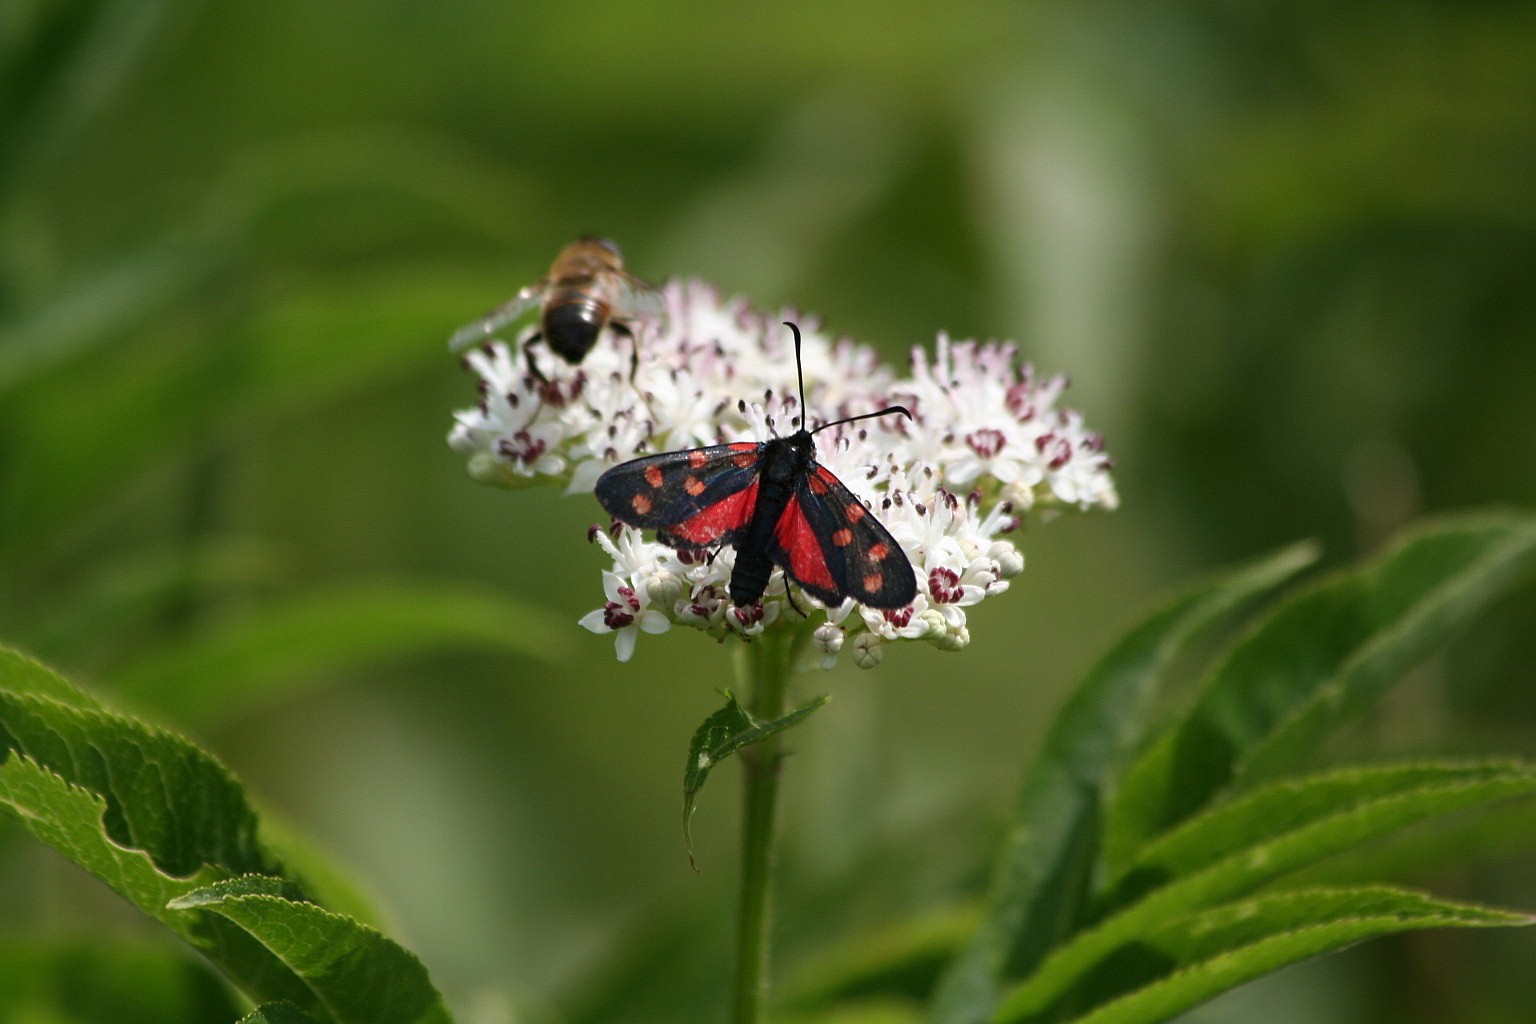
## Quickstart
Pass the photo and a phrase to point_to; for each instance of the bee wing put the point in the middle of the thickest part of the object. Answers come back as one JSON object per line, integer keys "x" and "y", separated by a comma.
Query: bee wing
{"x": 634, "y": 297}
{"x": 476, "y": 333}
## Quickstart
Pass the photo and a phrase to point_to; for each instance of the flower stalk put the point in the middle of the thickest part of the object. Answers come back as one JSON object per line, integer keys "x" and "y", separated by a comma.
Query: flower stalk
{"x": 763, "y": 675}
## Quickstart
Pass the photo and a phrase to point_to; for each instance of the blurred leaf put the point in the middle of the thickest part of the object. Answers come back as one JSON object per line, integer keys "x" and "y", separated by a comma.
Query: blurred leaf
{"x": 331, "y": 327}
{"x": 94, "y": 430}
{"x": 1220, "y": 949}
{"x": 1317, "y": 660}
{"x": 126, "y": 598}
{"x": 901, "y": 959}
{"x": 340, "y": 335}
{"x": 355, "y": 973}
{"x": 277, "y": 651}
{"x": 73, "y": 63}
{"x": 109, "y": 983}
{"x": 1051, "y": 847}
{"x": 156, "y": 819}
{"x": 1232, "y": 850}
{"x": 89, "y": 433}
{"x": 722, "y": 734}
{"x": 101, "y": 304}
{"x": 867, "y": 1011}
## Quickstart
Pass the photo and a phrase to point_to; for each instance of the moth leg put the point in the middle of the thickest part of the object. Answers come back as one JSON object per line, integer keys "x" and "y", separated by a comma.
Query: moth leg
{"x": 790, "y": 596}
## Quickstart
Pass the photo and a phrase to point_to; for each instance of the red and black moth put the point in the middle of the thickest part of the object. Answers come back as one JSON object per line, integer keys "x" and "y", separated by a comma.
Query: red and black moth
{"x": 775, "y": 505}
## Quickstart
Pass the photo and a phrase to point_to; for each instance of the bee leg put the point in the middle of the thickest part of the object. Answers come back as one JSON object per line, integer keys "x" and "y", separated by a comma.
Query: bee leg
{"x": 620, "y": 327}
{"x": 533, "y": 367}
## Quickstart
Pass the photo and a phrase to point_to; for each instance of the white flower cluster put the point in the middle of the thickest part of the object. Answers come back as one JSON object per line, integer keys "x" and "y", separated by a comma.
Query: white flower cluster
{"x": 986, "y": 443}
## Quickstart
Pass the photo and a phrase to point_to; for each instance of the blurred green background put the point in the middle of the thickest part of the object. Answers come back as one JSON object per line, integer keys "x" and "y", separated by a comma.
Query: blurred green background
{"x": 1287, "y": 253}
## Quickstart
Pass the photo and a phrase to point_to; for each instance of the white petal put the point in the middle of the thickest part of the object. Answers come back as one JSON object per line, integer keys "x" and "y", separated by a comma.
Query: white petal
{"x": 612, "y": 581}
{"x": 624, "y": 643}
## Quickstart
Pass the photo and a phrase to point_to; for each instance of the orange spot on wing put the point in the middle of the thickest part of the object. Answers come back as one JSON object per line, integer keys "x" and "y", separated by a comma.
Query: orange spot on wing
{"x": 878, "y": 551}
{"x": 653, "y": 475}
{"x": 842, "y": 538}
{"x": 856, "y": 512}
{"x": 872, "y": 582}
{"x": 697, "y": 458}
{"x": 641, "y": 504}
{"x": 694, "y": 486}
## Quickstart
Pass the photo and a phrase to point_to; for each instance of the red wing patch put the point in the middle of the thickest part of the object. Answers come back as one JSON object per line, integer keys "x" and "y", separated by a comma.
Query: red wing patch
{"x": 714, "y": 523}
{"x": 696, "y": 498}
{"x": 807, "y": 565}
{"x": 835, "y": 548}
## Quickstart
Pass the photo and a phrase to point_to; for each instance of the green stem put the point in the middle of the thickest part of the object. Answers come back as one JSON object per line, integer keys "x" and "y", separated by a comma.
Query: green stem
{"x": 763, "y": 669}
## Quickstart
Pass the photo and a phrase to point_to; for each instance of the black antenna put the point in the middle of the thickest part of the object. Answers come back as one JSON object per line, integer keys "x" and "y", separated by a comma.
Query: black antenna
{"x": 799, "y": 371}
{"x": 804, "y": 413}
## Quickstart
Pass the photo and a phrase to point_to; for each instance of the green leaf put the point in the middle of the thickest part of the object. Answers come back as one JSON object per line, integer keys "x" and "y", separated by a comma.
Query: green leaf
{"x": 151, "y": 791}
{"x": 1051, "y": 846}
{"x": 324, "y": 881}
{"x": 167, "y": 827}
{"x": 1490, "y": 834}
{"x": 1240, "y": 923}
{"x": 1233, "y": 850}
{"x": 24, "y": 676}
{"x": 723, "y": 734}
{"x": 235, "y": 888}
{"x": 268, "y": 654}
{"x": 1319, "y": 659}
{"x": 1217, "y": 950}
{"x": 277, "y": 1013}
{"x": 1345, "y": 796}
{"x": 70, "y": 819}
{"x": 357, "y": 974}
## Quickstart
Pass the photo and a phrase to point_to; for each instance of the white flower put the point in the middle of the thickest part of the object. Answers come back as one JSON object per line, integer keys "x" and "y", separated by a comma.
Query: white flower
{"x": 624, "y": 615}
{"x": 987, "y": 442}
{"x": 628, "y": 611}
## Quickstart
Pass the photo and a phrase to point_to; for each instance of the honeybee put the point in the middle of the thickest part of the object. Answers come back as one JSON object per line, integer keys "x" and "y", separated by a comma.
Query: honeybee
{"x": 586, "y": 289}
